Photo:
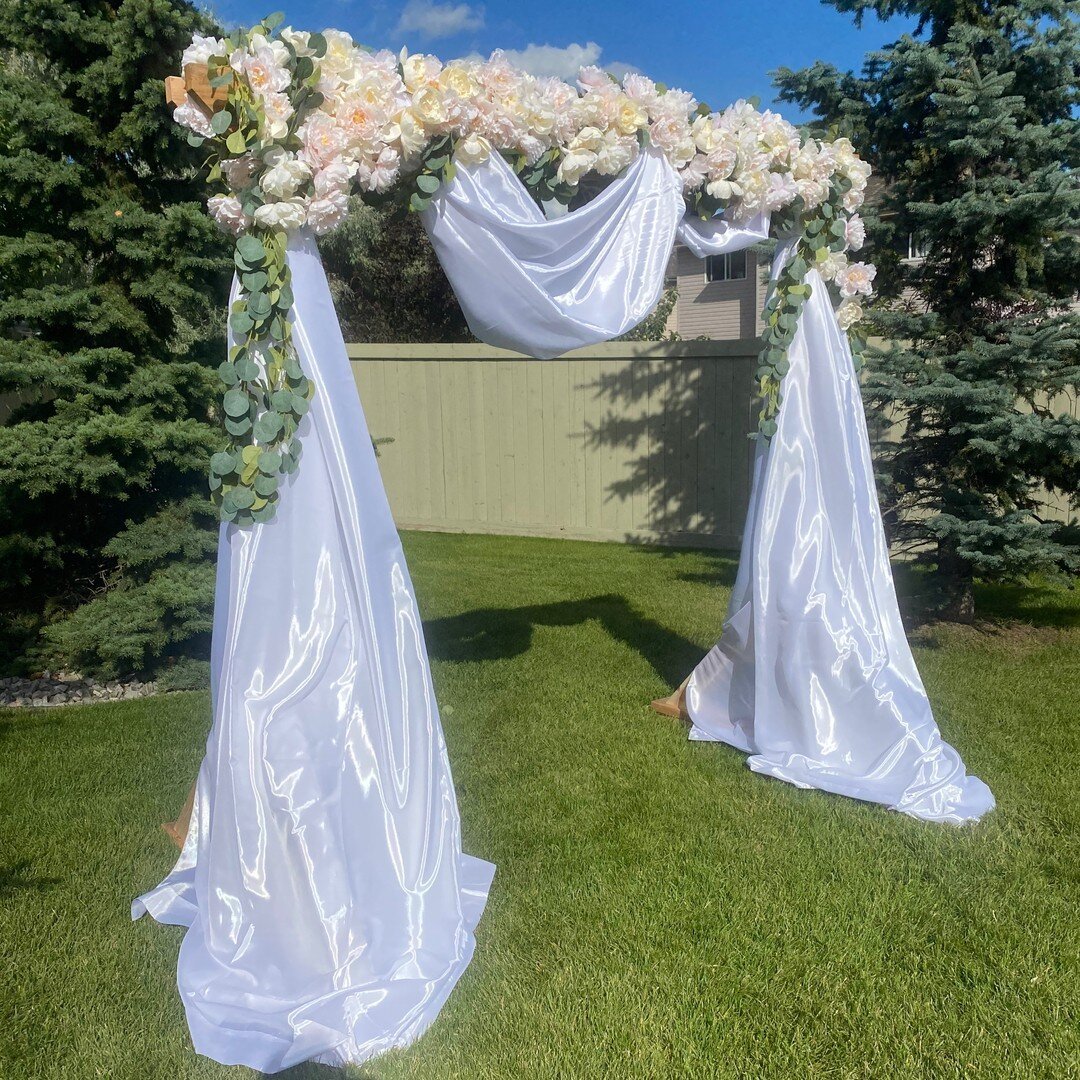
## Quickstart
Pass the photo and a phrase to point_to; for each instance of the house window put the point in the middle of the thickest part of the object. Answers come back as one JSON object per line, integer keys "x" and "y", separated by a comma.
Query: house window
{"x": 729, "y": 267}
{"x": 918, "y": 247}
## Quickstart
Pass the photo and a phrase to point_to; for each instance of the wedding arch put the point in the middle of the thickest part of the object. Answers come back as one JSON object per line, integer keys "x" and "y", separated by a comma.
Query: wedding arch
{"x": 330, "y": 908}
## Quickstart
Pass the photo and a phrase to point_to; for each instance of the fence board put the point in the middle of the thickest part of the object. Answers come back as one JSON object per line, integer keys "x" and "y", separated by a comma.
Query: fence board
{"x": 624, "y": 441}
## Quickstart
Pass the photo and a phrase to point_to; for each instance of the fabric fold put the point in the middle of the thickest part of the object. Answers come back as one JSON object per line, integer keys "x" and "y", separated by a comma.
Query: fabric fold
{"x": 813, "y": 675}
{"x": 329, "y": 907}
{"x": 546, "y": 286}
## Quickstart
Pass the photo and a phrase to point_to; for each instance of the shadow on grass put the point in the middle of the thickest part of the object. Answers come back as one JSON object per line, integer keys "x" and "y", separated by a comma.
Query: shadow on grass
{"x": 501, "y": 633}
{"x": 16, "y": 878}
{"x": 35, "y": 720}
{"x": 1036, "y": 605}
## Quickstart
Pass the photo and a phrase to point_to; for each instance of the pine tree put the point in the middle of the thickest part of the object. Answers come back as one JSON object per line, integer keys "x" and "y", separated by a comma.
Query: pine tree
{"x": 113, "y": 284}
{"x": 970, "y": 123}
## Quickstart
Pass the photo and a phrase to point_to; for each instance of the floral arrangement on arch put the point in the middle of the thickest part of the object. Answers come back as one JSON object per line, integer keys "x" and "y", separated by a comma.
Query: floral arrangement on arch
{"x": 297, "y": 122}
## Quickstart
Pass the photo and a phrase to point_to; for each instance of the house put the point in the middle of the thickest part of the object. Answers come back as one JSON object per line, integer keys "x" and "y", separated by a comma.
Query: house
{"x": 720, "y": 297}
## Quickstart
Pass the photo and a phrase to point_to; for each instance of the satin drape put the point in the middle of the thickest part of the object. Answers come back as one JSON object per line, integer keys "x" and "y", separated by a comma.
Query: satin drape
{"x": 813, "y": 675}
{"x": 329, "y": 905}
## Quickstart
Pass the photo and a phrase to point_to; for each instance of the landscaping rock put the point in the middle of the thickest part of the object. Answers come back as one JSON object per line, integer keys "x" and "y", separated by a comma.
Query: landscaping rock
{"x": 54, "y": 688}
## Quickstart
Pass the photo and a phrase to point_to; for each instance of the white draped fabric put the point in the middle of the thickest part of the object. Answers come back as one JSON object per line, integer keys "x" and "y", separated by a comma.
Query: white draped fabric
{"x": 813, "y": 676}
{"x": 329, "y": 907}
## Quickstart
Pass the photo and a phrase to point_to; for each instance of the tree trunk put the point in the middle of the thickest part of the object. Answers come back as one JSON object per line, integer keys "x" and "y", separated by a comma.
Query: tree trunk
{"x": 956, "y": 588}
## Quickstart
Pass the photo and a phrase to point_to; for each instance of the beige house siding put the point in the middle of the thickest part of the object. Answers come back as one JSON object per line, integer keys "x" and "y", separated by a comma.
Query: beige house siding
{"x": 718, "y": 310}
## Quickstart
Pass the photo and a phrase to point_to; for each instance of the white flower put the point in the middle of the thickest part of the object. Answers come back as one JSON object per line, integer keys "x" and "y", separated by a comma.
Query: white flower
{"x": 381, "y": 172}
{"x": 327, "y": 213}
{"x": 333, "y": 179}
{"x": 278, "y": 109}
{"x": 854, "y": 232}
{"x": 472, "y": 150}
{"x": 694, "y": 173}
{"x": 640, "y": 89}
{"x": 419, "y": 71}
{"x": 852, "y": 200}
{"x": 189, "y": 115}
{"x": 832, "y": 264}
{"x": 575, "y": 164}
{"x": 724, "y": 189}
{"x": 284, "y": 175}
{"x": 848, "y": 313}
{"x": 782, "y": 191}
{"x": 298, "y": 39}
{"x": 201, "y": 50}
{"x": 857, "y": 279}
{"x": 287, "y": 215}
{"x": 228, "y": 213}
{"x": 706, "y": 134}
{"x": 593, "y": 78}
{"x": 615, "y": 153}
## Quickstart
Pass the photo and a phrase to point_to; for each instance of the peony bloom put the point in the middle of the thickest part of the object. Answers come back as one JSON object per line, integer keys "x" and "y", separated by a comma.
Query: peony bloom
{"x": 278, "y": 109}
{"x": 298, "y": 39}
{"x": 284, "y": 175}
{"x": 323, "y": 140}
{"x": 593, "y": 78}
{"x": 630, "y": 116}
{"x": 328, "y": 213}
{"x": 857, "y": 279}
{"x": 640, "y": 89}
{"x": 782, "y": 191}
{"x": 694, "y": 173}
{"x": 849, "y": 313}
{"x": 228, "y": 214}
{"x": 379, "y": 172}
{"x": 189, "y": 115}
{"x": 472, "y": 150}
{"x": 419, "y": 71}
{"x": 201, "y": 50}
{"x": 832, "y": 265}
{"x": 854, "y": 232}
{"x": 288, "y": 215}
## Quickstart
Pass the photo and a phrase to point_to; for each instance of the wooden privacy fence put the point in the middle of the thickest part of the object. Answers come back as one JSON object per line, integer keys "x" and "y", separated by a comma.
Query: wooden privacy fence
{"x": 622, "y": 441}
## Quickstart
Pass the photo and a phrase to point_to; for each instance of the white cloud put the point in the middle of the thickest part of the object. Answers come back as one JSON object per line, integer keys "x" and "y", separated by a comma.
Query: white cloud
{"x": 551, "y": 60}
{"x": 432, "y": 21}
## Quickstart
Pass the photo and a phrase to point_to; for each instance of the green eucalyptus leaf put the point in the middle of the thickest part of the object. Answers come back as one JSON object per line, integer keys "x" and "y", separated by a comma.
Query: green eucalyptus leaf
{"x": 427, "y": 183}
{"x": 266, "y": 485}
{"x": 259, "y": 305}
{"x": 317, "y": 44}
{"x": 417, "y": 203}
{"x": 235, "y": 403}
{"x": 265, "y": 514}
{"x": 268, "y": 427}
{"x": 251, "y": 249}
{"x": 236, "y": 143}
{"x": 221, "y": 121}
{"x": 239, "y": 426}
{"x": 222, "y": 463}
{"x": 227, "y": 373}
{"x": 270, "y": 462}
{"x": 241, "y": 322}
{"x": 242, "y": 497}
{"x": 254, "y": 282}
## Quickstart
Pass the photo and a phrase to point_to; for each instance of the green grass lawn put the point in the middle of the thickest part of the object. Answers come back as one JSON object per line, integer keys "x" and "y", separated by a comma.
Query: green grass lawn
{"x": 658, "y": 911}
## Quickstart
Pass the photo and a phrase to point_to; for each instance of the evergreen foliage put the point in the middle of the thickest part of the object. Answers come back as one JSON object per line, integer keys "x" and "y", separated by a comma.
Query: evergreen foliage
{"x": 971, "y": 124}
{"x": 113, "y": 284}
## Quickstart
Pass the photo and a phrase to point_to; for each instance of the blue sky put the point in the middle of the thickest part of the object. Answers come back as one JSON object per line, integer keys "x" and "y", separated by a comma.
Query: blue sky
{"x": 719, "y": 51}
